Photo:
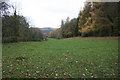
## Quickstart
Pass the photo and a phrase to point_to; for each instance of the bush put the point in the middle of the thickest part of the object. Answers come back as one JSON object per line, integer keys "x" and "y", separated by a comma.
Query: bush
{"x": 9, "y": 39}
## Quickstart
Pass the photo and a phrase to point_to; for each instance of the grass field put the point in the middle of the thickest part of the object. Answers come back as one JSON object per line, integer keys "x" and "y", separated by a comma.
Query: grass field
{"x": 65, "y": 58}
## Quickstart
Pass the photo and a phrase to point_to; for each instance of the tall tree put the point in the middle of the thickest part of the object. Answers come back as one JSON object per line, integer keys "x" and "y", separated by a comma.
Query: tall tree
{"x": 99, "y": 19}
{"x": 16, "y": 28}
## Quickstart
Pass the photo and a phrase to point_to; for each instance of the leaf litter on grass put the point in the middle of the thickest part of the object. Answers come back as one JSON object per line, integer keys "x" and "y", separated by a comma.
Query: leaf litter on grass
{"x": 62, "y": 61}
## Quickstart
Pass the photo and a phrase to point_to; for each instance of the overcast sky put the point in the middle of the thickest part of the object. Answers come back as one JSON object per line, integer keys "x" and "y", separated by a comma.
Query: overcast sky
{"x": 48, "y": 13}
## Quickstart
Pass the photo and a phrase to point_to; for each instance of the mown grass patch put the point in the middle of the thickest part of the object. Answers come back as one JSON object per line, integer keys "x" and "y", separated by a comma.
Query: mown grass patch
{"x": 65, "y": 58}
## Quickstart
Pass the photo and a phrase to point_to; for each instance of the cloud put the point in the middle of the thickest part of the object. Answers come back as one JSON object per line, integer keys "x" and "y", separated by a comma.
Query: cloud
{"x": 48, "y": 13}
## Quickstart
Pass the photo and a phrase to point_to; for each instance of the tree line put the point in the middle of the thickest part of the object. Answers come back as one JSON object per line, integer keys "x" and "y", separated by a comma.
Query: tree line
{"x": 96, "y": 19}
{"x": 15, "y": 27}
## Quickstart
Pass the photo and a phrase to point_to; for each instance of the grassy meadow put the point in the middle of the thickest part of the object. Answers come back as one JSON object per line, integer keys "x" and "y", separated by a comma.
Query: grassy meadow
{"x": 64, "y": 58}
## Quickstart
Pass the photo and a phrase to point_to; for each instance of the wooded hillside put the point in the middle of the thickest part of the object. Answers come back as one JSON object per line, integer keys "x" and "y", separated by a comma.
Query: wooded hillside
{"x": 15, "y": 27}
{"x": 96, "y": 19}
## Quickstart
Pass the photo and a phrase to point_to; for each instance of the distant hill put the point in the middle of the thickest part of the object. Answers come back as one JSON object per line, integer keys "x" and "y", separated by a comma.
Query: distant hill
{"x": 46, "y": 30}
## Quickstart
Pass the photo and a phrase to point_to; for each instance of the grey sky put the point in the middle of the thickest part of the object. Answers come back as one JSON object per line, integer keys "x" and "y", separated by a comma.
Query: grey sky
{"x": 48, "y": 13}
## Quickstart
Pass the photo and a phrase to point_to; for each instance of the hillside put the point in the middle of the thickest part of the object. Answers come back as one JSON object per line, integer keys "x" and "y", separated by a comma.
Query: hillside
{"x": 46, "y": 30}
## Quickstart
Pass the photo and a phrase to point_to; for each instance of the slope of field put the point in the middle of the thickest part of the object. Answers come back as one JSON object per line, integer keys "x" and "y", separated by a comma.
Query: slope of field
{"x": 65, "y": 58}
